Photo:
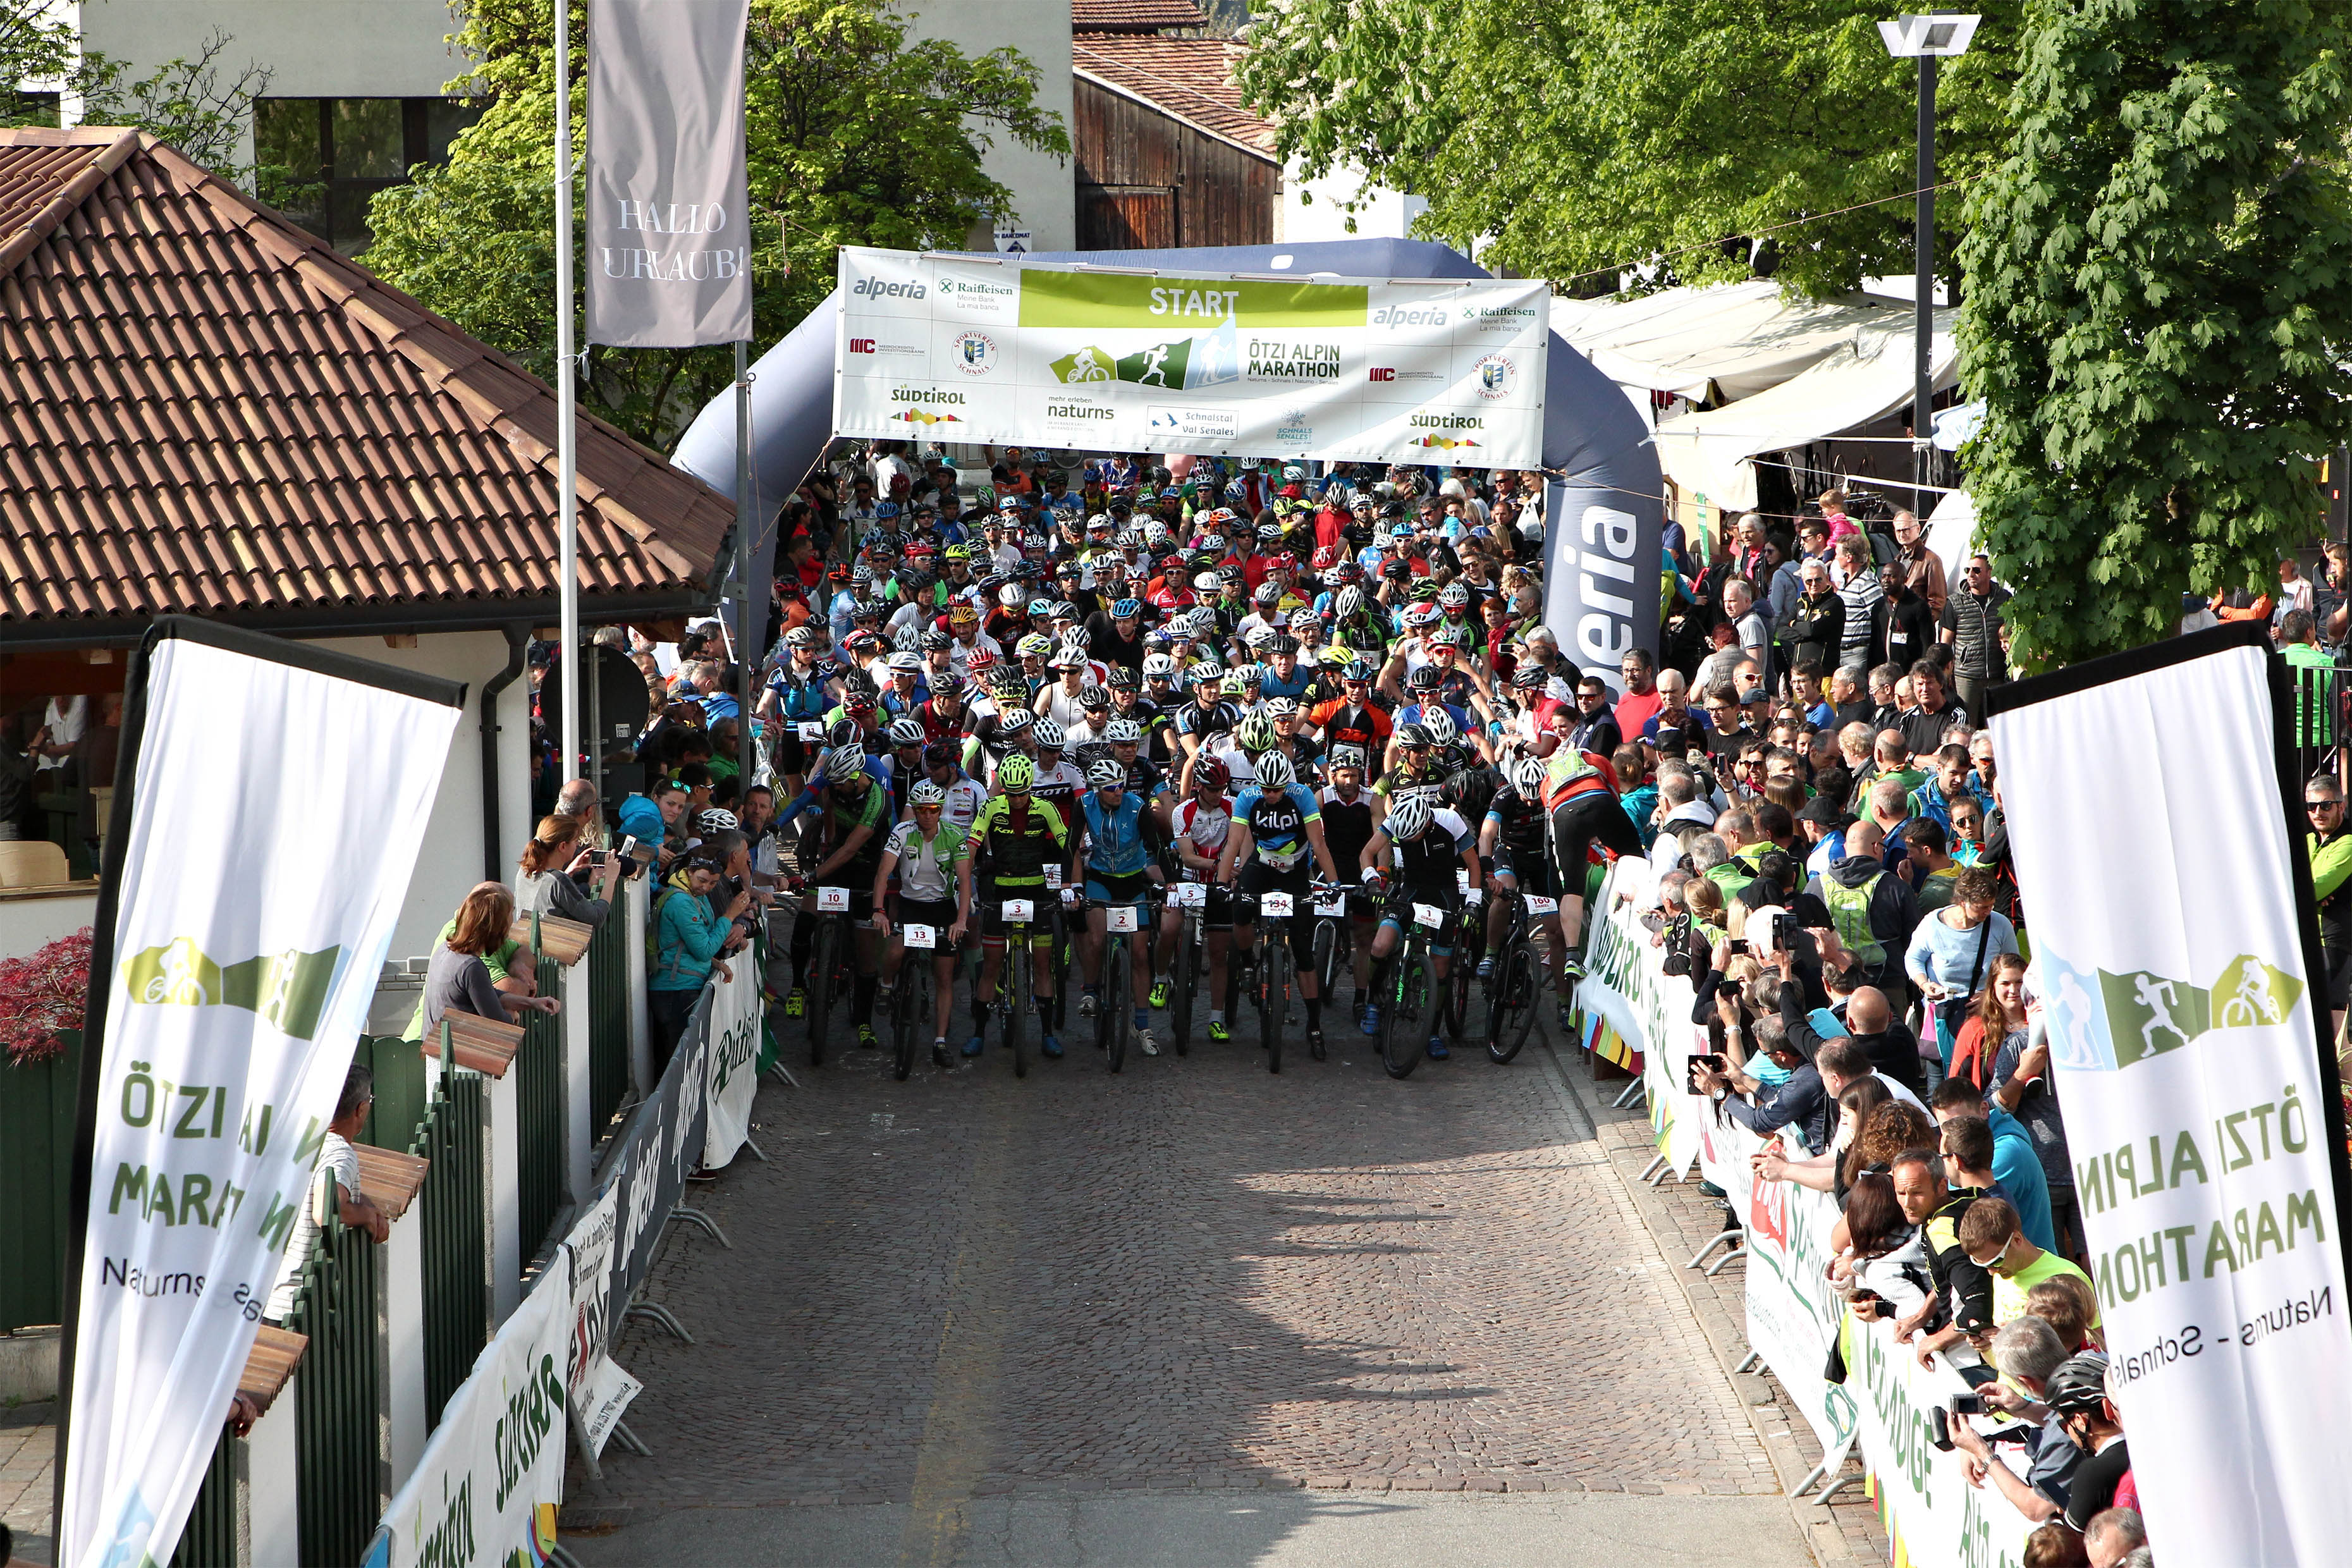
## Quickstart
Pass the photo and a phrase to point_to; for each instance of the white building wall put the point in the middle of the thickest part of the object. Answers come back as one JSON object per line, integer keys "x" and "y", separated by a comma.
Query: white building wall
{"x": 1044, "y": 186}
{"x": 1387, "y": 215}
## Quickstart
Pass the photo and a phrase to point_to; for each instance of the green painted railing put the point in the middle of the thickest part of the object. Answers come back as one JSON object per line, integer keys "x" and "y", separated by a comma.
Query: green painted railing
{"x": 538, "y": 1112}
{"x": 209, "y": 1538}
{"x": 608, "y": 1017}
{"x": 36, "y": 1122}
{"x": 450, "y": 1207}
{"x": 339, "y": 1397}
{"x": 401, "y": 1096}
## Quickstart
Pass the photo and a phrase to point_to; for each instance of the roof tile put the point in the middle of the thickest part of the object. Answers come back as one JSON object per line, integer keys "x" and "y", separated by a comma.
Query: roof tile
{"x": 202, "y": 409}
{"x": 1191, "y": 78}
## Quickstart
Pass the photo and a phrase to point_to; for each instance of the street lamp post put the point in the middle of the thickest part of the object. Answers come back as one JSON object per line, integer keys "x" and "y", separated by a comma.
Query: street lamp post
{"x": 1926, "y": 39}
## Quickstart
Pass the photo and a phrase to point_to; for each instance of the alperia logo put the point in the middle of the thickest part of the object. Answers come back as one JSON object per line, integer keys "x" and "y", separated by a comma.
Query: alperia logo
{"x": 285, "y": 988}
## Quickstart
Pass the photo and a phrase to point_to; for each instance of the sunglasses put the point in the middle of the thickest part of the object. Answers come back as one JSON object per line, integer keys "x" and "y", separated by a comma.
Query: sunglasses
{"x": 2323, "y": 805}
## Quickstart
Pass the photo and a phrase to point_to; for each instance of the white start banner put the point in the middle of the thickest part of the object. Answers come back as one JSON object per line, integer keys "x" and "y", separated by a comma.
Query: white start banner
{"x": 278, "y": 795}
{"x": 942, "y": 348}
{"x": 734, "y": 1062}
{"x": 486, "y": 1491}
{"x": 2174, "y": 955}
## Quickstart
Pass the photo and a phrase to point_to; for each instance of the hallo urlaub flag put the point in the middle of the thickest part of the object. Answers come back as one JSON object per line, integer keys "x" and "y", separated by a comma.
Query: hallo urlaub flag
{"x": 2175, "y": 961}
{"x": 277, "y": 799}
{"x": 668, "y": 225}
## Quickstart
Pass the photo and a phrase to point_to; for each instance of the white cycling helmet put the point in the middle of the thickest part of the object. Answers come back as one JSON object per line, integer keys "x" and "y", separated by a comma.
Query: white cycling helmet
{"x": 907, "y": 732}
{"x": 1015, "y": 721}
{"x": 1158, "y": 664}
{"x": 1050, "y": 737}
{"x": 844, "y": 761}
{"x": 1527, "y": 777}
{"x": 1106, "y": 775}
{"x": 1409, "y": 818}
{"x": 927, "y": 794}
{"x": 1123, "y": 732}
{"x": 1275, "y": 771}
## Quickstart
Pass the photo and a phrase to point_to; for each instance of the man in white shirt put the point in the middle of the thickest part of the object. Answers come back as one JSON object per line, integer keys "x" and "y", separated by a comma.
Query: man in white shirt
{"x": 336, "y": 1156}
{"x": 65, "y": 718}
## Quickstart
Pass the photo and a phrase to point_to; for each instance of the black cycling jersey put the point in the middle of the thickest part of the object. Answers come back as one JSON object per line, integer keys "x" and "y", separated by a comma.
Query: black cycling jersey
{"x": 1347, "y": 828}
{"x": 1526, "y": 825}
{"x": 1194, "y": 719}
{"x": 1428, "y": 863}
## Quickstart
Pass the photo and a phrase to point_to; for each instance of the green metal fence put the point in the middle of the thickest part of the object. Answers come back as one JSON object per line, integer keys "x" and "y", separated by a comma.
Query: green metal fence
{"x": 539, "y": 1116}
{"x": 450, "y": 1207}
{"x": 36, "y": 1117}
{"x": 401, "y": 1096}
{"x": 209, "y": 1538}
{"x": 339, "y": 1397}
{"x": 608, "y": 1018}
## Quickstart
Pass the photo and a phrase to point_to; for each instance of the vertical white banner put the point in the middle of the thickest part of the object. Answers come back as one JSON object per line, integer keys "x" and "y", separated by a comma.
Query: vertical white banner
{"x": 276, "y": 814}
{"x": 2160, "y": 884}
{"x": 734, "y": 1060}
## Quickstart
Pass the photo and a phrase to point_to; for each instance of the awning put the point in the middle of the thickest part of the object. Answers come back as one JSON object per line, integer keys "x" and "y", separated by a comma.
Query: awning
{"x": 1715, "y": 344}
{"x": 1952, "y": 530}
{"x": 1867, "y": 378}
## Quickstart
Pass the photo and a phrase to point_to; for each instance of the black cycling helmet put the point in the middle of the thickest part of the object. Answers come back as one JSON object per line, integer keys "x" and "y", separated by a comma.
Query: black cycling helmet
{"x": 2079, "y": 1386}
{"x": 1423, "y": 679}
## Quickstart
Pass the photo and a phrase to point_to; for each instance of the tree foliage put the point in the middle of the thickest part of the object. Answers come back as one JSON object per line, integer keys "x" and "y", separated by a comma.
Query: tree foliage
{"x": 1568, "y": 138}
{"x": 2159, "y": 280}
{"x": 855, "y": 133}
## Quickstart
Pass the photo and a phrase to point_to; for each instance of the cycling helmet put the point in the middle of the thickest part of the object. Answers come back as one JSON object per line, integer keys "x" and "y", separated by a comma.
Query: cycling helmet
{"x": 1446, "y": 636}
{"x": 906, "y": 662}
{"x": 1409, "y": 818}
{"x": 1281, "y": 643}
{"x": 1230, "y": 576}
{"x": 1209, "y": 672}
{"x": 1425, "y": 679}
{"x": 1050, "y": 736}
{"x": 1275, "y": 771}
{"x": 1247, "y": 675}
{"x": 1205, "y": 583}
{"x": 1126, "y": 607}
{"x": 1440, "y": 725}
{"x": 907, "y": 732}
{"x": 1280, "y": 707}
{"x": 942, "y": 754}
{"x": 1347, "y": 757}
{"x": 800, "y": 637}
{"x": 2079, "y": 1386}
{"x": 1068, "y": 658}
{"x": 1107, "y": 775}
{"x": 1124, "y": 732}
{"x": 1349, "y": 601}
{"x": 1158, "y": 664}
{"x": 868, "y": 613}
{"x": 862, "y": 575}
{"x": 1015, "y": 774}
{"x": 1010, "y": 595}
{"x": 1012, "y": 723}
{"x": 1040, "y": 608}
{"x": 857, "y": 703}
{"x": 1304, "y": 619}
{"x": 1347, "y": 572}
{"x": 1453, "y": 596}
{"x": 1255, "y": 733}
{"x": 1064, "y": 611}
{"x": 1122, "y": 679}
{"x": 927, "y": 794}
{"x": 1210, "y": 772}
{"x": 1529, "y": 678}
{"x": 1357, "y": 669}
{"x": 1528, "y": 778}
{"x": 1421, "y": 614}
{"x": 1269, "y": 592}
{"x": 714, "y": 820}
{"x": 1412, "y": 735}
{"x": 936, "y": 640}
{"x": 842, "y": 760}
{"x": 1036, "y": 644}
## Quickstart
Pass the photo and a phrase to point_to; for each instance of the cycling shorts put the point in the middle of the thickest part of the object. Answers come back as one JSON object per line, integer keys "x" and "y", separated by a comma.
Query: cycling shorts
{"x": 1257, "y": 877}
{"x": 1581, "y": 819}
{"x": 940, "y": 913}
{"x": 1111, "y": 888}
{"x": 992, "y": 900}
{"x": 1398, "y": 913}
{"x": 1533, "y": 872}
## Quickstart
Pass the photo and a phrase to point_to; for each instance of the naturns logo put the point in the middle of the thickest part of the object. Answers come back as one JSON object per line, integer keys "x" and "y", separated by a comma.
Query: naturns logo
{"x": 881, "y": 288}
{"x": 1383, "y": 373}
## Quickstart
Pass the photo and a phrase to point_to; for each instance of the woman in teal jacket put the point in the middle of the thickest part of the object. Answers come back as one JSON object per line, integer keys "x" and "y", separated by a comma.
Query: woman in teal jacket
{"x": 689, "y": 935}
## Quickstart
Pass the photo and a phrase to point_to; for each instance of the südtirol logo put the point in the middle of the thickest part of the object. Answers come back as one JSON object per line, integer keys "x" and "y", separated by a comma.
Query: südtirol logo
{"x": 285, "y": 988}
{"x": 2102, "y": 1020}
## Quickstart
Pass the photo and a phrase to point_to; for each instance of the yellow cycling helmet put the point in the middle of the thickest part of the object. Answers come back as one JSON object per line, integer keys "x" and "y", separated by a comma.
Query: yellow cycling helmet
{"x": 1015, "y": 774}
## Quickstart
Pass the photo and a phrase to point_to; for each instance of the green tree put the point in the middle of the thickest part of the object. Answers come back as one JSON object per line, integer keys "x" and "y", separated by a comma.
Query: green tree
{"x": 855, "y": 133}
{"x": 2159, "y": 280}
{"x": 1564, "y": 139}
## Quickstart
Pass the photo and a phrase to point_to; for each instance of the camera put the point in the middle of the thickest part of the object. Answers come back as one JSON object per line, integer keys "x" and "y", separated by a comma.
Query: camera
{"x": 1939, "y": 1422}
{"x": 1784, "y": 932}
{"x": 1706, "y": 1058}
{"x": 1968, "y": 1404}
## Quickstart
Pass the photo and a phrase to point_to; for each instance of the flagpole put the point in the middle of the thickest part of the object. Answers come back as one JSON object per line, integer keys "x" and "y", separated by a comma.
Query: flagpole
{"x": 567, "y": 444}
{"x": 751, "y": 622}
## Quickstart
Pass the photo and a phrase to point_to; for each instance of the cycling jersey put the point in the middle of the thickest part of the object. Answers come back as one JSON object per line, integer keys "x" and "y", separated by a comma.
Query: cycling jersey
{"x": 802, "y": 698}
{"x": 1293, "y": 685}
{"x": 1206, "y": 826}
{"x": 1278, "y": 821}
{"x": 1523, "y": 824}
{"x": 844, "y": 817}
{"x": 1059, "y": 787}
{"x": 1194, "y": 719}
{"x": 1407, "y": 779}
{"x": 1345, "y": 723}
{"x": 1018, "y": 839}
{"x": 1419, "y": 713}
{"x": 1427, "y": 865}
{"x": 926, "y": 866}
{"x": 965, "y": 797}
{"x": 1569, "y": 773}
{"x": 1115, "y": 836}
{"x": 1347, "y": 828}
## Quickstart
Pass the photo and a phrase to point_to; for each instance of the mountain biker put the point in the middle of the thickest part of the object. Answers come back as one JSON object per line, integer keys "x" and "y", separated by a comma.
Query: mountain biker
{"x": 1581, "y": 797}
{"x": 1278, "y": 825}
{"x": 1517, "y": 835}
{"x": 1350, "y": 814}
{"x": 1121, "y": 836}
{"x": 1018, "y": 837}
{"x": 934, "y": 890}
{"x": 1198, "y": 826}
{"x": 1412, "y": 859}
{"x": 854, "y": 822}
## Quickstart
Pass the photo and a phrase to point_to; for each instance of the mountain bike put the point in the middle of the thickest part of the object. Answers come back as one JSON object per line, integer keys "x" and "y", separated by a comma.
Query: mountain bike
{"x": 1276, "y": 967}
{"x": 832, "y": 961}
{"x": 1016, "y": 1001}
{"x": 1189, "y": 963}
{"x": 1510, "y": 994}
{"x": 1462, "y": 976}
{"x": 1115, "y": 1008}
{"x": 1413, "y": 993}
{"x": 911, "y": 1009}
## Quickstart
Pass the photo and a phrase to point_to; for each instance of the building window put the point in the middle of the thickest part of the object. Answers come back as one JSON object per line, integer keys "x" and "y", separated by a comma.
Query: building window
{"x": 336, "y": 154}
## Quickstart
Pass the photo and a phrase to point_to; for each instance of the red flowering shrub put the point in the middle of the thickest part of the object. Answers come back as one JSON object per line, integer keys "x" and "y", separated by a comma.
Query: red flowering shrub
{"x": 42, "y": 994}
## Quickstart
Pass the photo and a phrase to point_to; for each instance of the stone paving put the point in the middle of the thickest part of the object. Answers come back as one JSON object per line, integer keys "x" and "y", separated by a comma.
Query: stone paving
{"x": 27, "y": 1476}
{"x": 1193, "y": 1275}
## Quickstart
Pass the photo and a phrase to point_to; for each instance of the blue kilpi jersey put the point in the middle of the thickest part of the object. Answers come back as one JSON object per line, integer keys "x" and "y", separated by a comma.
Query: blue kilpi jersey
{"x": 1277, "y": 823}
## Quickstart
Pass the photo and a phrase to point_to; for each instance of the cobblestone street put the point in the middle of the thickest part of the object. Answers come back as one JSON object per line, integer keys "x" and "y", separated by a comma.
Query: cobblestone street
{"x": 967, "y": 1290}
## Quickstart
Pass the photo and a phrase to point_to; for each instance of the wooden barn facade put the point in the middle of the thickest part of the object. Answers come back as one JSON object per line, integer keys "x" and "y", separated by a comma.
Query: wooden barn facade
{"x": 1165, "y": 153}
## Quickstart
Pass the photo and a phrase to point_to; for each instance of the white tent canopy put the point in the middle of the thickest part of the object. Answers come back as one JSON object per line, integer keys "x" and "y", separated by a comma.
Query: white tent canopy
{"x": 1866, "y": 378}
{"x": 1713, "y": 344}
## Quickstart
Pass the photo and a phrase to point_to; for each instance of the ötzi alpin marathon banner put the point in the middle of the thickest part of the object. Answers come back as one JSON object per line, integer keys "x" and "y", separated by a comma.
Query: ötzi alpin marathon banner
{"x": 2168, "y": 910}
{"x": 937, "y": 348}
{"x": 277, "y": 798}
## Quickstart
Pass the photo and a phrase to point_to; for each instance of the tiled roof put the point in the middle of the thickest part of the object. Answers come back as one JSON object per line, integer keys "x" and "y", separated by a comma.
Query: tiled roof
{"x": 1133, "y": 16}
{"x": 1191, "y": 78}
{"x": 205, "y": 410}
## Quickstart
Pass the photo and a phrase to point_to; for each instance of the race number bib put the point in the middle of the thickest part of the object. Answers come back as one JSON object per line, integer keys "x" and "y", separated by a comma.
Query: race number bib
{"x": 1275, "y": 905}
{"x": 1119, "y": 916}
{"x": 1053, "y": 876}
{"x": 1542, "y": 906}
{"x": 810, "y": 730}
{"x": 1017, "y": 911}
{"x": 921, "y": 936}
{"x": 1428, "y": 917}
{"x": 1337, "y": 904}
{"x": 1192, "y": 895}
{"x": 833, "y": 900}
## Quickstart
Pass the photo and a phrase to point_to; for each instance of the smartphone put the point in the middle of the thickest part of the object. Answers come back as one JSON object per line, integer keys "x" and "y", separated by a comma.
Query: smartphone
{"x": 629, "y": 845}
{"x": 1784, "y": 932}
{"x": 1739, "y": 945}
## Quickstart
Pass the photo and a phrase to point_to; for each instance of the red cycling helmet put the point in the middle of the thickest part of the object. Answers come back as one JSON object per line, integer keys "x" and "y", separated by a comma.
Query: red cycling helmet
{"x": 1210, "y": 772}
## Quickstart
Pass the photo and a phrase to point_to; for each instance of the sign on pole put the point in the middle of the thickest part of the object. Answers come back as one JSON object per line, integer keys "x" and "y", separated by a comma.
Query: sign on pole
{"x": 940, "y": 348}
{"x": 270, "y": 802}
{"x": 669, "y": 220}
{"x": 2176, "y": 957}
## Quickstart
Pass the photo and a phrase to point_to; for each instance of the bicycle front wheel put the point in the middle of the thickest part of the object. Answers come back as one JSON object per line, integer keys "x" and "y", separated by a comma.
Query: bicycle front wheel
{"x": 1113, "y": 1019}
{"x": 914, "y": 968}
{"x": 1184, "y": 979}
{"x": 820, "y": 987}
{"x": 1410, "y": 987}
{"x": 1274, "y": 996}
{"x": 1017, "y": 1006}
{"x": 1513, "y": 1011}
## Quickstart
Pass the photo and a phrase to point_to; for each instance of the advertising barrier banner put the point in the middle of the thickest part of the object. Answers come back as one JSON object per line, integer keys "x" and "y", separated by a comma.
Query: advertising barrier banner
{"x": 664, "y": 1142}
{"x": 240, "y": 930}
{"x": 600, "y": 1392}
{"x": 1934, "y": 1518}
{"x": 938, "y": 348}
{"x": 734, "y": 1058}
{"x": 491, "y": 1480}
{"x": 2176, "y": 956}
